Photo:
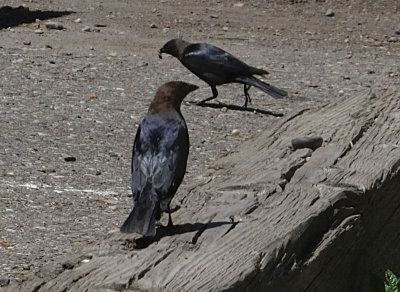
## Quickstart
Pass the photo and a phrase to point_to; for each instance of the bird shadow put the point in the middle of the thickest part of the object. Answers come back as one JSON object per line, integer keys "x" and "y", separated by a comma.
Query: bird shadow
{"x": 236, "y": 108}
{"x": 10, "y": 16}
{"x": 164, "y": 231}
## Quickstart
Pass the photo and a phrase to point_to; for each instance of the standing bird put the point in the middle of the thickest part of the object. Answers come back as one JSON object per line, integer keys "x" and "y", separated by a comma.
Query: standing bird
{"x": 159, "y": 157}
{"x": 216, "y": 66}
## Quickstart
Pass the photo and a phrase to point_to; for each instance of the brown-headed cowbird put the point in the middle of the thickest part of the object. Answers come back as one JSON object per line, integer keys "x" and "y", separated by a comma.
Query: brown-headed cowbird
{"x": 216, "y": 66}
{"x": 159, "y": 157}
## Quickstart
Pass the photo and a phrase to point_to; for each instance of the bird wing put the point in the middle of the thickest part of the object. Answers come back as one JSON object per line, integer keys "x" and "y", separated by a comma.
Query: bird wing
{"x": 211, "y": 63}
{"x": 159, "y": 157}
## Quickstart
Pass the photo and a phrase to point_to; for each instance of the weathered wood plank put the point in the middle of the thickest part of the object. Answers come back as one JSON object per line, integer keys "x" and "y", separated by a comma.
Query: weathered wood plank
{"x": 304, "y": 220}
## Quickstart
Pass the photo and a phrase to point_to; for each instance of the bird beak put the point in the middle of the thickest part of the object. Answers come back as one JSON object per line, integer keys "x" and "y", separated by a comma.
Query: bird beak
{"x": 192, "y": 87}
{"x": 159, "y": 53}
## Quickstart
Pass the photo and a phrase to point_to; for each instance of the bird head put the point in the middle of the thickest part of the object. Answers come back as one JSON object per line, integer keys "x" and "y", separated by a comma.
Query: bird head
{"x": 170, "y": 95}
{"x": 174, "y": 47}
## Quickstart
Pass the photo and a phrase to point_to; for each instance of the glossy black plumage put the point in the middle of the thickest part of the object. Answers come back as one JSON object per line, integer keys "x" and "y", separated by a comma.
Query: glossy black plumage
{"x": 159, "y": 158}
{"x": 216, "y": 66}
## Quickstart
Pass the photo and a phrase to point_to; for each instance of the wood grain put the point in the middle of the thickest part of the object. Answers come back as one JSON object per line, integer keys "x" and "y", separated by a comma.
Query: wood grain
{"x": 267, "y": 218}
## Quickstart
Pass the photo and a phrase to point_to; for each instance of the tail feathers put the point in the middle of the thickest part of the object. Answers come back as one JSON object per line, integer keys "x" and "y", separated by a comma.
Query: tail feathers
{"x": 267, "y": 88}
{"x": 142, "y": 219}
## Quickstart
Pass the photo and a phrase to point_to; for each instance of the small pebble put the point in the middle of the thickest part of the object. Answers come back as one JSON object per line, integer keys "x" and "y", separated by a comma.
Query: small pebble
{"x": 70, "y": 158}
{"x": 26, "y": 267}
{"x": 224, "y": 109}
{"x": 153, "y": 25}
{"x": 329, "y": 13}
{"x": 38, "y": 31}
{"x": 311, "y": 142}
{"x": 225, "y": 28}
{"x": 86, "y": 29}
{"x": 54, "y": 25}
{"x": 93, "y": 95}
{"x": 214, "y": 16}
{"x": 238, "y": 5}
{"x": 235, "y": 132}
{"x": 27, "y": 43}
{"x": 78, "y": 20}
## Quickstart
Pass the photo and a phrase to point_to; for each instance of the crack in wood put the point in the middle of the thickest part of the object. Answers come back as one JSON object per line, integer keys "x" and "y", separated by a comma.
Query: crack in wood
{"x": 292, "y": 170}
{"x": 313, "y": 201}
{"x": 75, "y": 280}
{"x": 81, "y": 277}
{"x": 309, "y": 235}
{"x": 143, "y": 272}
{"x": 299, "y": 113}
{"x": 37, "y": 288}
{"x": 163, "y": 257}
{"x": 288, "y": 175}
{"x": 364, "y": 128}
{"x": 252, "y": 208}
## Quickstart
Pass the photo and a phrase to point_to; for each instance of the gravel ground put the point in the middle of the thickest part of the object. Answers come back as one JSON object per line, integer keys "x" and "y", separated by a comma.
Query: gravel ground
{"x": 71, "y": 99}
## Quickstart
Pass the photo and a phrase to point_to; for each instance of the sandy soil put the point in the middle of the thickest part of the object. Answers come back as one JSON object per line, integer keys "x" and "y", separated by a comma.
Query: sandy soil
{"x": 50, "y": 206}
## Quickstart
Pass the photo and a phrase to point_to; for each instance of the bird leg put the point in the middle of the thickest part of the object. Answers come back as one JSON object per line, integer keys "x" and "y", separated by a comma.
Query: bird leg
{"x": 247, "y": 95}
{"x": 170, "y": 224}
{"x": 215, "y": 94}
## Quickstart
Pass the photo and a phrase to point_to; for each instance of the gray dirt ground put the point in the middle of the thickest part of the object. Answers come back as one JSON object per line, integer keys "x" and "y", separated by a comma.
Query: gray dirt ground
{"x": 50, "y": 207}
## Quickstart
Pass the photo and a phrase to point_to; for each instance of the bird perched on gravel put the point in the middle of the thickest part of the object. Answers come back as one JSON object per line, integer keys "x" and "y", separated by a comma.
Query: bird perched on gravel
{"x": 159, "y": 157}
{"x": 216, "y": 66}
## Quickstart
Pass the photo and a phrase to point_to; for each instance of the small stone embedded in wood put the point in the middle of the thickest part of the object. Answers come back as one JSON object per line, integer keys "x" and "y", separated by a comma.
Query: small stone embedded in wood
{"x": 311, "y": 142}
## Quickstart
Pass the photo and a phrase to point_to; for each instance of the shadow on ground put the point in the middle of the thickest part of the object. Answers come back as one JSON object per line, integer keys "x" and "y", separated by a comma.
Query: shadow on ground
{"x": 236, "y": 108}
{"x": 10, "y": 16}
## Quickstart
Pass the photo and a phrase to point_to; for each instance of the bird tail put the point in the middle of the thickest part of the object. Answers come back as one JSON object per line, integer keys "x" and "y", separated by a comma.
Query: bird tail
{"x": 267, "y": 88}
{"x": 142, "y": 219}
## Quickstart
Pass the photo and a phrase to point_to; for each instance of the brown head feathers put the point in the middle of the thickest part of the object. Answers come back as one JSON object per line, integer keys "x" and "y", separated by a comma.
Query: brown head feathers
{"x": 170, "y": 95}
{"x": 174, "y": 47}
